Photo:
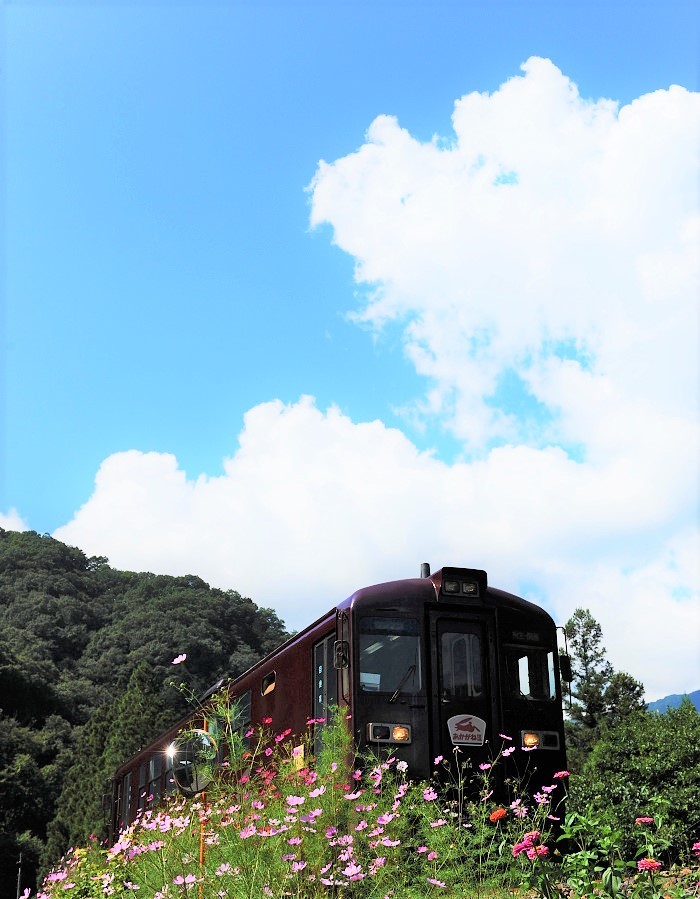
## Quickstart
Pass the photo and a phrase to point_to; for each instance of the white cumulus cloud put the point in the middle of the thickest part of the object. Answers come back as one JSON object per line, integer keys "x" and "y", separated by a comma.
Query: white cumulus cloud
{"x": 12, "y": 521}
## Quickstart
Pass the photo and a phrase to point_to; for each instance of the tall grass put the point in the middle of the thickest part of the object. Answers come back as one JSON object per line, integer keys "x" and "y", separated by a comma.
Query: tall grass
{"x": 273, "y": 825}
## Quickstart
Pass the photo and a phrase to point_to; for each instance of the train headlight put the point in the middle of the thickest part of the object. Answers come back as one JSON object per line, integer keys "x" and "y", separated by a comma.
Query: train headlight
{"x": 388, "y": 733}
{"x": 531, "y": 740}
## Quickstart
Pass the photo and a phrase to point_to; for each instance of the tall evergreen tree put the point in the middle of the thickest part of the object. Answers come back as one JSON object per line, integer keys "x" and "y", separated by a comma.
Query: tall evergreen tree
{"x": 601, "y": 696}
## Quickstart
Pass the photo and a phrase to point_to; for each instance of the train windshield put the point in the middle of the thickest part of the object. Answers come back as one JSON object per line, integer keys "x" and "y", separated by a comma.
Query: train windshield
{"x": 390, "y": 657}
{"x": 530, "y": 672}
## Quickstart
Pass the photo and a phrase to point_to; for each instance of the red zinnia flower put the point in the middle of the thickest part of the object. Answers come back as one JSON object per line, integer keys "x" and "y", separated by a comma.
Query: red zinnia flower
{"x": 648, "y": 864}
{"x": 497, "y": 814}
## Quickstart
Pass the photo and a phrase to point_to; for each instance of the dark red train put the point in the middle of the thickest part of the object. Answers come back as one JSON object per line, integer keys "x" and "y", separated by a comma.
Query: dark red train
{"x": 436, "y": 665}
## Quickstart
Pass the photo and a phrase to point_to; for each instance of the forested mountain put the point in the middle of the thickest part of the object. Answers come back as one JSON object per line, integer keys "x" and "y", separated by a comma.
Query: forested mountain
{"x": 86, "y": 679}
{"x": 674, "y": 700}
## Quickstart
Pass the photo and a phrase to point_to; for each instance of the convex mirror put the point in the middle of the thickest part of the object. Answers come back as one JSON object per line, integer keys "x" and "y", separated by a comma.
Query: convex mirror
{"x": 194, "y": 757}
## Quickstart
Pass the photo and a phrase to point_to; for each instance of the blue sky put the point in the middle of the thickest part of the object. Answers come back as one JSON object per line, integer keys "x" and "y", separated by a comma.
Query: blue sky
{"x": 180, "y": 273}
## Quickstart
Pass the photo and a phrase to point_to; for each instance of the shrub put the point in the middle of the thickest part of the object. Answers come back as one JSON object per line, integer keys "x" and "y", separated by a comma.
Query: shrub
{"x": 648, "y": 765}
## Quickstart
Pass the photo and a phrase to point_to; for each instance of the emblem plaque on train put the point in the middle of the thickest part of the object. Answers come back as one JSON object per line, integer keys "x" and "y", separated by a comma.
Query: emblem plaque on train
{"x": 467, "y": 730}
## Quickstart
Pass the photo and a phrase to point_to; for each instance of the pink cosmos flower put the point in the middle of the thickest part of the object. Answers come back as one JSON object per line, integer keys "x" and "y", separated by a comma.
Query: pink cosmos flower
{"x": 429, "y": 795}
{"x": 432, "y": 856}
{"x": 484, "y": 766}
{"x": 505, "y": 737}
{"x": 295, "y": 800}
{"x": 645, "y": 819}
{"x": 298, "y": 866}
{"x": 696, "y": 849}
{"x": 422, "y": 849}
{"x": 353, "y": 872}
{"x": 509, "y": 751}
{"x": 436, "y": 883}
{"x": 648, "y": 864}
{"x": 561, "y": 774}
{"x": 438, "y": 759}
{"x": 179, "y": 659}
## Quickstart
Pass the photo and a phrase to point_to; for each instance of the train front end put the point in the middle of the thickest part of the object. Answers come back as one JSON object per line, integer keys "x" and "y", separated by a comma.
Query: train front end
{"x": 444, "y": 666}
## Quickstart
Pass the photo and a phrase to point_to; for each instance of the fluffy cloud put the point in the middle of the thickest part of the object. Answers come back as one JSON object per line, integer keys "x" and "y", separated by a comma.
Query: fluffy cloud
{"x": 12, "y": 521}
{"x": 546, "y": 230}
{"x": 313, "y": 506}
{"x": 542, "y": 263}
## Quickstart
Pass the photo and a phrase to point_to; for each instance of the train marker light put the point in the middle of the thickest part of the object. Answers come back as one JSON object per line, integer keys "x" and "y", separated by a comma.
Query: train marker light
{"x": 531, "y": 740}
{"x": 467, "y": 583}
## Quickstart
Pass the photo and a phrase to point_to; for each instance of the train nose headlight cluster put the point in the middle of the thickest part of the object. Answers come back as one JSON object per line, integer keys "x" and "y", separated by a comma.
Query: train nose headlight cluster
{"x": 388, "y": 733}
{"x": 531, "y": 740}
{"x": 539, "y": 739}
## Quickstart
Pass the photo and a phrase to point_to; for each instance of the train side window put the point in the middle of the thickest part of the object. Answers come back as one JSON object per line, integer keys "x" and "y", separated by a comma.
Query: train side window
{"x": 240, "y": 713}
{"x": 462, "y": 666}
{"x": 143, "y": 782}
{"x": 170, "y": 785}
{"x": 238, "y": 720}
{"x": 267, "y": 685}
{"x": 530, "y": 672}
{"x": 126, "y": 800}
{"x": 155, "y": 767}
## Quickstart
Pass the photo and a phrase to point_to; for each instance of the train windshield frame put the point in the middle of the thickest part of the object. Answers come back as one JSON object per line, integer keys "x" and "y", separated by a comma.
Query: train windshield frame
{"x": 390, "y": 655}
{"x": 530, "y": 674}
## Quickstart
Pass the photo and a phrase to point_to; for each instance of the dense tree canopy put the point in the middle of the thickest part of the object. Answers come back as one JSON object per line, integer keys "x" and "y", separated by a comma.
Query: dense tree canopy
{"x": 85, "y": 680}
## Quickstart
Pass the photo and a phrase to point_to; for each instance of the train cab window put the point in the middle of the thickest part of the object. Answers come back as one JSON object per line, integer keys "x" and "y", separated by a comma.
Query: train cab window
{"x": 267, "y": 685}
{"x": 530, "y": 672}
{"x": 462, "y": 666}
{"x": 390, "y": 656}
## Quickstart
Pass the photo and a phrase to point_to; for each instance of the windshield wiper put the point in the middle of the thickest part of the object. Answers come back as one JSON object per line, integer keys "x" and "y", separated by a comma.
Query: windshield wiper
{"x": 409, "y": 671}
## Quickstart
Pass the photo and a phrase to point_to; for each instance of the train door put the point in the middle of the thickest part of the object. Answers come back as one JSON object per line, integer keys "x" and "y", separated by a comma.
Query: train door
{"x": 464, "y": 710}
{"x": 325, "y": 685}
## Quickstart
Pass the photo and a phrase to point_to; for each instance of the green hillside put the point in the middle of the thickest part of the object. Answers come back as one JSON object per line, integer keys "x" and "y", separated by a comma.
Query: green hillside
{"x": 85, "y": 680}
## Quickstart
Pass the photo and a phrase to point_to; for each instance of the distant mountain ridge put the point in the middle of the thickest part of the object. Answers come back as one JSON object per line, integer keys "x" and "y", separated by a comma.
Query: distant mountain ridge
{"x": 673, "y": 701}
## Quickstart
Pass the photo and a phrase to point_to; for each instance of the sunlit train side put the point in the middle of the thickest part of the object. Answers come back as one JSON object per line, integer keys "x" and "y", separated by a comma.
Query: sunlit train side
{"x": 437, "y": 665}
